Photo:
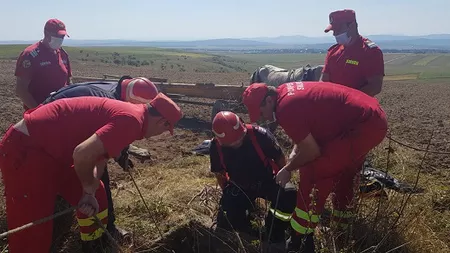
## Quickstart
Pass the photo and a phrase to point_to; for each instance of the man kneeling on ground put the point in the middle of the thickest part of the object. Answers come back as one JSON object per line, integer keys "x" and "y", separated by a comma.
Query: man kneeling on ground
{"x": 245, "y": 159}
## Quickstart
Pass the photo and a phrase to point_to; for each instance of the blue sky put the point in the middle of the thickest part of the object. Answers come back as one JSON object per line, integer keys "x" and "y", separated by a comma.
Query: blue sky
{"x": 209, "y": 19}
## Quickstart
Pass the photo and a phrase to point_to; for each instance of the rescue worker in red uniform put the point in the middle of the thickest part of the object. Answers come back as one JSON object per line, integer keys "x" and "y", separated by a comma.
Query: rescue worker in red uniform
{"x": 245, "y": 159}
{"x": 333, "y": 127}
{"x": 49, "y": 152}
{"x": 354, "y": 61}
{"x": 139, "y": 90}
{"x": 43, "y": 67}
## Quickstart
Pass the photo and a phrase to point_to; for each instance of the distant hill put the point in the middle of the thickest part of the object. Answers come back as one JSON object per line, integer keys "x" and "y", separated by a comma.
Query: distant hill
{"x": 431, "y": 41}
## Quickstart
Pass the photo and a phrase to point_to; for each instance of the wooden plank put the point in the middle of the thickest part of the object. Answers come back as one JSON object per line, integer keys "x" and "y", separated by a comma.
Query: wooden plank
{"x": 226, "y": 92}
{"x": 200, "y": 90}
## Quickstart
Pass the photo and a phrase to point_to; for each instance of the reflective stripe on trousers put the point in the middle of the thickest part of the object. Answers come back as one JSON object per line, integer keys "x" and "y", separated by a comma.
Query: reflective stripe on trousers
{"x": 280, "y": 215}
{"x": 89, "y": 229}
{"x": 309, "y": 221}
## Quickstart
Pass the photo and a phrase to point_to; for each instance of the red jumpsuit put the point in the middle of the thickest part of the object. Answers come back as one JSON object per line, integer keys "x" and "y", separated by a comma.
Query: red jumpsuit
{"x": 355, "y": 64}
{"x": 49, "y": 70}
{"x": 346, "y": 124}
{"x": 39, "y": 166}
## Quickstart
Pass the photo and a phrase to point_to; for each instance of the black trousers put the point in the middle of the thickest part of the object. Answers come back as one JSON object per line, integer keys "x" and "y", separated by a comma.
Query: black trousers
{"x": 237, "y": 203}
{"x": 111, "y": 216}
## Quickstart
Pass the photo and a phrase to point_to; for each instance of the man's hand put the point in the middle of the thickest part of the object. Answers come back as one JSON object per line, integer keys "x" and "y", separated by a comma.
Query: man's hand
{"x": 124, "y": 161}
{"x": 88, "y": 205}
{"x": 283, "y": 177}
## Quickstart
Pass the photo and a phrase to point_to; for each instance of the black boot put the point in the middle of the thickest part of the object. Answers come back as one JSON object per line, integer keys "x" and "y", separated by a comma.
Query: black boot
{"x": 300, "y": 243}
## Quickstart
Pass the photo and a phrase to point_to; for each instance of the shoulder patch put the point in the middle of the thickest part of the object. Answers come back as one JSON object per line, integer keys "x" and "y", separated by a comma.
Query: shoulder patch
{"x": 34, "y": 53}
{"x": 26, "y": 64}
{"x": 370, "y": 43}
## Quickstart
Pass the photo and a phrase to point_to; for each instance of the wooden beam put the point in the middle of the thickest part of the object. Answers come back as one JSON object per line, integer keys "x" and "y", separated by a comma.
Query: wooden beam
{"x": 200, "y": 90}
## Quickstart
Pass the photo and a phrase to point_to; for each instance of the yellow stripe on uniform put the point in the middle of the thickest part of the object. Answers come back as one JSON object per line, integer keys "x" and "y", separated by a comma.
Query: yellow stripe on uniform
{"x": 300, "y": 229}
{"x": 307, "y": 216}
{"x": 280, "y": 215}
{"x": 89, "y": 221}
{"x": 92, "y": 236}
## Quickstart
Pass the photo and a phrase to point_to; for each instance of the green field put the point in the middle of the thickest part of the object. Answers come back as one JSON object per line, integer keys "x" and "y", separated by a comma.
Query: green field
{"x": 397, "y": 66}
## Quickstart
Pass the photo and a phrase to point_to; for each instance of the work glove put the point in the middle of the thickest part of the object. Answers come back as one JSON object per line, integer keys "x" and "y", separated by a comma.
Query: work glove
{"x": 88, "y": 205}
{"x": 124, "y": 161}
{"x": 283, "y": 177}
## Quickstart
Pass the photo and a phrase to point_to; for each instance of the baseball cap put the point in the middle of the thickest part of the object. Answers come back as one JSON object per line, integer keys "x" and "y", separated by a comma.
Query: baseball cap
{"x": 252, "y": 99}
{"x": 340, "y": 17}
{"x": 56, "y": 26}
{"x": 168, "y": 109}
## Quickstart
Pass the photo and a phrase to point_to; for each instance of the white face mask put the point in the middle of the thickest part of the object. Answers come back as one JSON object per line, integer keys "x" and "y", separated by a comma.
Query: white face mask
{"x": 343, "y": 38}
{"x": 55, "y": 42}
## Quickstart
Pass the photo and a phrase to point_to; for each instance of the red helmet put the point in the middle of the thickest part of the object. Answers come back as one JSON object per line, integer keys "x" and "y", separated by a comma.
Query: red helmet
{"x": 138, "y": 90}
{"x": 228, "y": 127}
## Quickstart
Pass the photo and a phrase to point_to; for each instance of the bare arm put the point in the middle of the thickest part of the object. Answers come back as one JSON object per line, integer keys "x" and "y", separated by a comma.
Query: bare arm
{"x": 85, "y": 157}
{"x": 307, "y": 151}
{"x": 373, "y": 86}
{"x": 22, "y": 92}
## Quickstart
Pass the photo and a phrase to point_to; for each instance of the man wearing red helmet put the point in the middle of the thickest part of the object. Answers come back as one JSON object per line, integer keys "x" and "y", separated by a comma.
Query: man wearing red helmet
{"x": 333, "y": 127}
{"x": 139, "y": 90}
{"x": 44, "y": 66}
{"x": 354, "y": 61}
{"x": 245, "y": 159}
{"x": 39, "y": 161}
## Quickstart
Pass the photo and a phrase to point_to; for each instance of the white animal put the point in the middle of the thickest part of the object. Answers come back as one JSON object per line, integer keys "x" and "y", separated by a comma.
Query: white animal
{"x": 275, "y": 76}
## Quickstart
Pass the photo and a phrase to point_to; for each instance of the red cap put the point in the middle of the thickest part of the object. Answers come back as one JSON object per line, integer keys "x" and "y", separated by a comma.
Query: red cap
{"x": 340, "y": 17}
{"x": 168, "y": 109}
{"x": 228, "y": 127}
{"x": 138, "y": 90}
{"x": 252, "y": 99}
{"x": 56, "y": 26}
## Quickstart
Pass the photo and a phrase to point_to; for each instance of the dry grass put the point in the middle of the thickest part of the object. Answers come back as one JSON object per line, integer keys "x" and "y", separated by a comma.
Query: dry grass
{"x": 182, "y": 197}
{"x": 402, "y": 223}
{"x": 168, "y": 190}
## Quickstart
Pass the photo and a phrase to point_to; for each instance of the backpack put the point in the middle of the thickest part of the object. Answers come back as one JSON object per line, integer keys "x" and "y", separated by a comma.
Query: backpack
{"x": 267, "y": 162}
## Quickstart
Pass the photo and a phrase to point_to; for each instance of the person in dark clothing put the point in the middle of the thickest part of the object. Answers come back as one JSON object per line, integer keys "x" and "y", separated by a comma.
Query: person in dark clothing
{"x": 134, "y": 90}
{"x": 245, "y": 158}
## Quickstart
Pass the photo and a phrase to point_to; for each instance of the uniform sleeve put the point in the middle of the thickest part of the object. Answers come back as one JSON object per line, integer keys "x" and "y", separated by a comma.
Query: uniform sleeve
{"x": 214, "y": 158}
{"x": 268, "y": 143}
{"x": 24, "y": 67}
{"x": 120, "y": 132}
{"x": 375, "y": 65}
{"x": 293, "y": 122}
{"x": 69, "y": 67}
{"x": 326, "y": 67}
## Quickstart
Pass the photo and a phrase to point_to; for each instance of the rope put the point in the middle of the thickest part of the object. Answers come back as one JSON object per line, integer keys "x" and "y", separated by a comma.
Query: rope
{"x": 53, "y": 216}
{"x": 37, "y": 222}
{"x": 273, "y": 216}
{"x": 145, "y": 203}
{"x": 107, "y": 233}
{"x": 417, "y": 149}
